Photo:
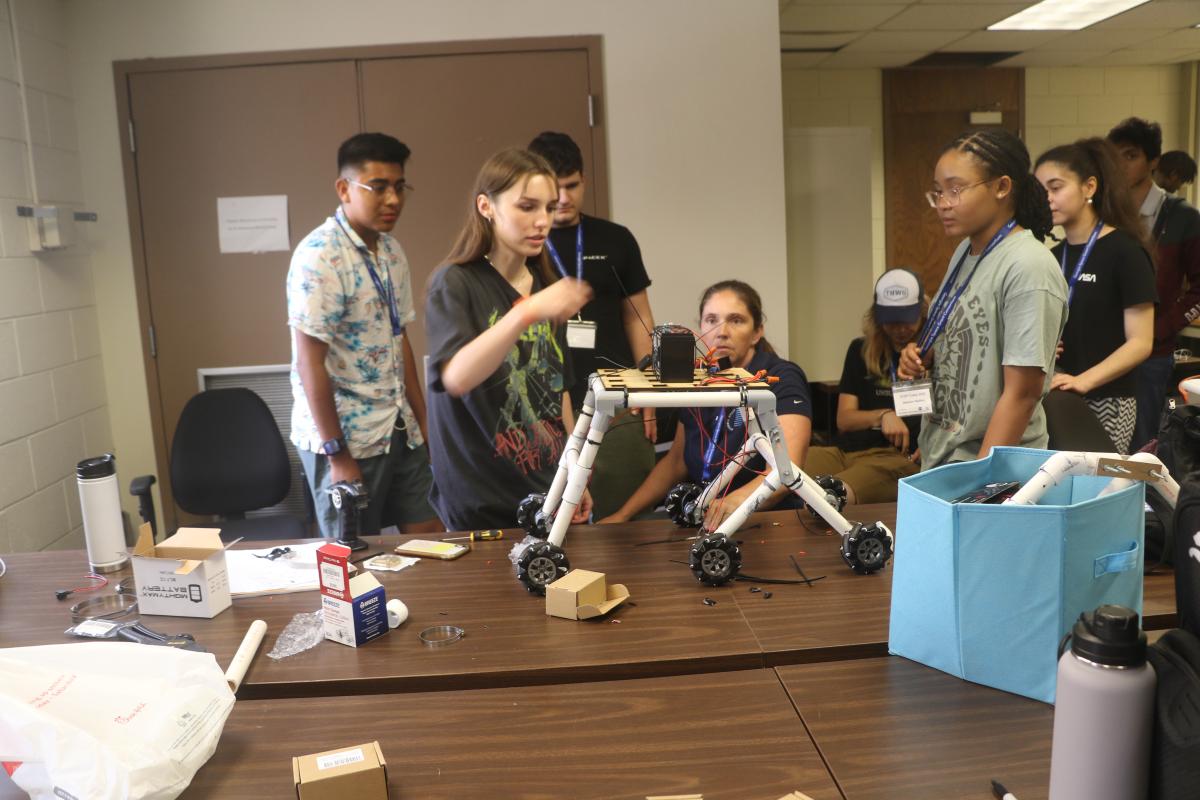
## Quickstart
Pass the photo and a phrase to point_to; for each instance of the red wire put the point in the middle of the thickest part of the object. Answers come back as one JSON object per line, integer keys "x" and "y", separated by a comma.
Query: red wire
{"x": 103, "y": 581}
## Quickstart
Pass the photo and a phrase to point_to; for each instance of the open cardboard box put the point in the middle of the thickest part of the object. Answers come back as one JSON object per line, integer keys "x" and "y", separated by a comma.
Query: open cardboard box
{"x": 582, "y": 594}
{"x": 182, "y": 576}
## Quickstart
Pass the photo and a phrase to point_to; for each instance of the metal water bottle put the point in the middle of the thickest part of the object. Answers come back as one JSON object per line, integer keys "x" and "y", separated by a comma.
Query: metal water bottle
{"x": 1104, "y": 710}
{"x": 100, "y": 501}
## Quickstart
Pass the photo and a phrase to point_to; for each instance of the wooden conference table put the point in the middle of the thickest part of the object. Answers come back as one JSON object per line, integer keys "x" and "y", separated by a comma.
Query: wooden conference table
{"x": 697, "y": 707}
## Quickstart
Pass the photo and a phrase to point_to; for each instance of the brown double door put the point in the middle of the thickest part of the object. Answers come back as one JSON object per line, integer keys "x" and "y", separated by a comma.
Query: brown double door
{"x": 274, "y": 128}
{"x": 924, "y": 109}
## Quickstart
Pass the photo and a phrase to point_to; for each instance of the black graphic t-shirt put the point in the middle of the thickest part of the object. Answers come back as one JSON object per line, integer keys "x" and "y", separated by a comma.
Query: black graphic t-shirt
{"x": 874, "y": 394}
{"x": 502, "y": 440}
{"x": 612, "y": 266}
{"x": 1118, "y": 274}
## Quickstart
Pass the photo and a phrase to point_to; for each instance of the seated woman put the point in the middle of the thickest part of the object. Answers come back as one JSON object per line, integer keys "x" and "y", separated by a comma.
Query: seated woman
{"x": 498, "y": 407}
{"x": 873, "y": 449}
{"x": 731, "y": 323}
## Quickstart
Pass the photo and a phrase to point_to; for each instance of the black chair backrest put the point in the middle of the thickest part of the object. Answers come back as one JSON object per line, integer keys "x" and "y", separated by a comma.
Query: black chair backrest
{"x": 227, "y": 456}
{"x": 1072, "y": 425}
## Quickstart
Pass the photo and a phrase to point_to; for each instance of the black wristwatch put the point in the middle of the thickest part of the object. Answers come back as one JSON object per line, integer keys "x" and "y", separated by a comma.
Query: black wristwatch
{"x": 333, "y": 446}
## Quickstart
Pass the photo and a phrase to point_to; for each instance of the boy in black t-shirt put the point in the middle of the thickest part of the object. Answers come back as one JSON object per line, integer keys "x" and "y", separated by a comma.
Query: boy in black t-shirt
{"x": 874, "y": 447}
{"x": 607, "y": 257}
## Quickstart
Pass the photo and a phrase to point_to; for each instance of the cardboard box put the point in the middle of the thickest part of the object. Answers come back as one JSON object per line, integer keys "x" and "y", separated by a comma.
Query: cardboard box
{"x": 359, "y": 772}
{"x": 355, "y": 609}
{"x": 182, "y": 576}
{"x": 581, "y": 594}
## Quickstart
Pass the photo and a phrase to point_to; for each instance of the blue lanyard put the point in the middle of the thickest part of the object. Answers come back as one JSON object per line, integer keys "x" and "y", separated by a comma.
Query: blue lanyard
{"x": 386, "y": 291}
{"x": 712, "y": 445}
{"x": 578, "y": 253}
{"x": 1087, "y": 251}
{"x": 947, "y": 298}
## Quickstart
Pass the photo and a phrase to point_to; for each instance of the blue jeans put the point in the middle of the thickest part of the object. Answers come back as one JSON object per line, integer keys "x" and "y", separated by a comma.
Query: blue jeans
{"x": 1153, "y": 378}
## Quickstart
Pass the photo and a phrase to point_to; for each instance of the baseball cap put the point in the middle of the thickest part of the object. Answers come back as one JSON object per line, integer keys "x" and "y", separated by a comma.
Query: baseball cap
{"x": 898, "y": 297}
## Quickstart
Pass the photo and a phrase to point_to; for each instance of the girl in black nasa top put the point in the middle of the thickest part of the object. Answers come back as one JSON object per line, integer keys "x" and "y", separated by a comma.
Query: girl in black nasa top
{"x": 1110, "y": 280}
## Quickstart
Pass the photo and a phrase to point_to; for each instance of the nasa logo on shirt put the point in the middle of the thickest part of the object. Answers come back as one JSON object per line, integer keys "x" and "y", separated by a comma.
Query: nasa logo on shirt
{"x": 1087, "y": 277}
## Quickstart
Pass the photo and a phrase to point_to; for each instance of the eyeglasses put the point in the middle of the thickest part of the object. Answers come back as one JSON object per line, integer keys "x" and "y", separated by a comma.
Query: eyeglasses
{"x": 953, "y": 195}
{"x": 381, "y": 188}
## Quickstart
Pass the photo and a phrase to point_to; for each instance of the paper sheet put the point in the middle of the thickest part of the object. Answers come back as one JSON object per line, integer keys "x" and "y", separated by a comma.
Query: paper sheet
{"x": 253, "y": 224}
{"x": 295, "y": 572}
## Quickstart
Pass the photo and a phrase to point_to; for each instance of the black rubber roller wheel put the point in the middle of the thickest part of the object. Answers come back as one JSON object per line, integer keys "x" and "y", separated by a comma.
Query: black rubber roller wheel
{"x": 541, "y": 565}
{"x": 835, "y": 493}
{"x": 715, "y": 559}
{"x": 681, "y": 503}
{"x": 530, "y": 518}
{"x": 867, "y": 549}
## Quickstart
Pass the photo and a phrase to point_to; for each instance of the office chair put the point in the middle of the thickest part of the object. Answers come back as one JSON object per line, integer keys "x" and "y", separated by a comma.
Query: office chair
{"x": 227, "y": 458}
{"x": 1072, "y": 425}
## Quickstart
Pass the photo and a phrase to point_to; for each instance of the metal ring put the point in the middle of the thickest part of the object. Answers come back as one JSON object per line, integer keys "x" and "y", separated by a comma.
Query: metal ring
{"x": 440, "y": 635}
{"x": 107, "y": 607}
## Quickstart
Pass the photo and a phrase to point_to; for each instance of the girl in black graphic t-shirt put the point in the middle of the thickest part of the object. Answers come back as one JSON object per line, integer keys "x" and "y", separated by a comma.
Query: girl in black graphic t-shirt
{"x": 499, "y": 411}
{"x": 1110, "y": 279}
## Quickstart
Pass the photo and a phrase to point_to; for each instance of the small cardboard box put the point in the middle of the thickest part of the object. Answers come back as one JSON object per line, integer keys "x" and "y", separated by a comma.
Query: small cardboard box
{"x": 581, "y": 594}
{"x": 359, "y": 772}
{"x": 182, "y": 576}
{"x": 355, "y": 609}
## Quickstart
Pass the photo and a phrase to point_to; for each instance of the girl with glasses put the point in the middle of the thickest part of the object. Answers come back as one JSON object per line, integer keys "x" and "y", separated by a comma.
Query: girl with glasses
{"x": 988, "y": 347}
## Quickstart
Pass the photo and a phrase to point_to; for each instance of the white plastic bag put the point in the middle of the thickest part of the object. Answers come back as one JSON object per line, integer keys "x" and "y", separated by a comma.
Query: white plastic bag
{"x": 109, "y": 719}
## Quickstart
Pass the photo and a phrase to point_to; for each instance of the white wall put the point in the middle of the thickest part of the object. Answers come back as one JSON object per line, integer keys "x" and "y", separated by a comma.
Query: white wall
{"x": 52, "y": 400}
{"x": 694, "y": 120}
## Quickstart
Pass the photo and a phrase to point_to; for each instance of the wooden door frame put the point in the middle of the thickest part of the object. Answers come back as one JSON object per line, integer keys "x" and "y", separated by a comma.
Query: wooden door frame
{"x": 123, "y": 71}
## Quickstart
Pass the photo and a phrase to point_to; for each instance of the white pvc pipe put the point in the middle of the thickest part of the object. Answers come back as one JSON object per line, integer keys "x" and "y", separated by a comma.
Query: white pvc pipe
{"x": 1063, "y": 465}
{"x": 245, "y": 654}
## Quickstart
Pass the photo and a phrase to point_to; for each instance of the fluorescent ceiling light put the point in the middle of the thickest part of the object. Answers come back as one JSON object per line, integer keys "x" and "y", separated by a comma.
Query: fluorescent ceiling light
{"x": 1064, "y": 15}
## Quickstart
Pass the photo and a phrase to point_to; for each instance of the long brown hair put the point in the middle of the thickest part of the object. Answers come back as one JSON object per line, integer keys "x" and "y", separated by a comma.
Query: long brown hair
{"x": 877, "y": 347}
{"x": 497, "y": 175}
{"x": 749, "y": 297}
{"x": 1097, "y": 158}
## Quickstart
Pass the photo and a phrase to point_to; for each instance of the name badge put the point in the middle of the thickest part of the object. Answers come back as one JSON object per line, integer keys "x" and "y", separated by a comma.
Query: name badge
{"x": 913, "y": 398}
{"x": 581, "y": 334}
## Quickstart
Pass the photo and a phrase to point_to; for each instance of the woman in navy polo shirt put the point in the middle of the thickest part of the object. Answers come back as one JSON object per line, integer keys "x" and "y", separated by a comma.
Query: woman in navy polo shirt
{"x": 731, "y": 322}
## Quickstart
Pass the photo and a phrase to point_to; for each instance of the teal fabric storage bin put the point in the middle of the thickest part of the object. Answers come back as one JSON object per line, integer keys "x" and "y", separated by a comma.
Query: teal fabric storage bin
{"x": 986, "y": 592}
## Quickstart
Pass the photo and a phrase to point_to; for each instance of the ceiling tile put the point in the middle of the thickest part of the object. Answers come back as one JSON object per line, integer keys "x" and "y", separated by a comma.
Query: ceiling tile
{"x": 1002, "y": 41}
{"x": 1100, "y": 40}
{"x": 1155, "y": 14}
{"x": 957, "y": 17}
{"x": 814, "y": 41}
{"x": 802, "y": 18}
{"x": 802, "y": 60}
{"x": 904, "y": 41}
{"x": 1135, "y": 57}
{"x": 1051, "y": 58}
{"x": 867, "y": 58}
{"x": 1186, "y": 38}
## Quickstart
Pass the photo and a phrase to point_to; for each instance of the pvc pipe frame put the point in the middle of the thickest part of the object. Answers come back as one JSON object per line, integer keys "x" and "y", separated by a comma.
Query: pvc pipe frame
{"x": 1065, "y": 464}
{"x": 601, "y": 405}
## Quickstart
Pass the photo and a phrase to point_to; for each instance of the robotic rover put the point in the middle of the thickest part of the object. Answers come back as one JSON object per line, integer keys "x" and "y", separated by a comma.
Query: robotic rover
{"x": 715, "y": 558}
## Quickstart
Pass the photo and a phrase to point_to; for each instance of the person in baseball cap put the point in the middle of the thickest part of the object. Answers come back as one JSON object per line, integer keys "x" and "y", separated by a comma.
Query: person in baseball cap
{"x": 874, "y": 448}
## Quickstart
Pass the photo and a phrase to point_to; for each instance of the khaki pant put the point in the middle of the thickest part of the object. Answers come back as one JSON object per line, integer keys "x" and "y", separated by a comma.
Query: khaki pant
{"x": 871, "y": 474}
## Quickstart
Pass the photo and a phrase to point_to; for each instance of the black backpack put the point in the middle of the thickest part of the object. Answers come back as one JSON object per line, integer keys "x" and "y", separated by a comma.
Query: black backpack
{"x": 1178, "y": 447}
{"x": 1175, "y": 752}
